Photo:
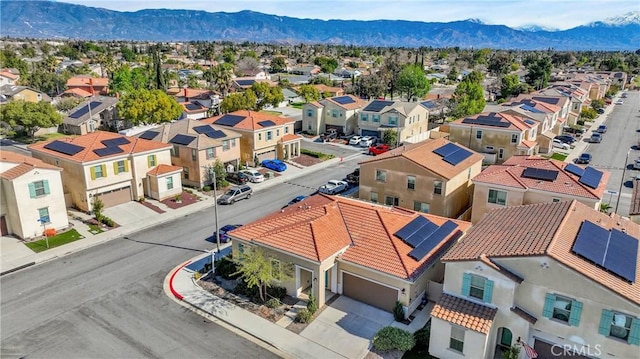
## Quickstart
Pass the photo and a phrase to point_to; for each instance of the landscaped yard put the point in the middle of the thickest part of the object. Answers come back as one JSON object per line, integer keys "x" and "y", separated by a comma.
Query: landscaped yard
{"x": 559, "y": 156}
{"x": 46, "y": 137}
{"x": 55, "y": 241}
{"x": 95, "y": 229}
{"x": 275, "y": 113}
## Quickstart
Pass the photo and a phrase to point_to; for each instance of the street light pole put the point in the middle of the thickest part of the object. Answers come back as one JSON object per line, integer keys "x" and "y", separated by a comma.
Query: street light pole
{"x": 624, "y": 170}
{"x": 212, "y": 174}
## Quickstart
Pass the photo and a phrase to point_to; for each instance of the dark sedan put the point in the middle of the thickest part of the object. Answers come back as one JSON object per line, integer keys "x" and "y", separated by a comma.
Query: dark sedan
{"x": 584, "y": 158}
{"x": 237, "y": 178}
{"x": 224, "y": 238}
{"x": 565, "y": 139}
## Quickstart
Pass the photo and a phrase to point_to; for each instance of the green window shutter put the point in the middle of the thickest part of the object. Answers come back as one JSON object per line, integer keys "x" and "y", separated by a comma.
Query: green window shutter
{"x": 46, "y": 187}
{"x": 126, "y": 165}
{"x": 547, "y": 310}
{"x": 104, "y": 170}
{"x": 605, "y": 322}
{"x": 576, "y": 312}
{"x": 115, "y": 167}
{"x": 466, "y": 284}
{"x": 32, "y": 190}
{"x": 634, "y": 334}
{"x": 148, "y": 161}
{"x": 488, "y": 291}
{"x": 93, "y": 172}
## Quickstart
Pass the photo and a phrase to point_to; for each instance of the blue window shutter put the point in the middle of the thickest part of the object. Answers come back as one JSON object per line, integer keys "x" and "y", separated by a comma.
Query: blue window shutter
{"x": 547, "y": 310}
{"x": 634, "y": 334}
{"x": 488, "y": 291}
{"x": 605, "y": 322}
{"x": 32, "y": 190}
{"x": 466, "y": 284}
{"x": 46, "y": 187}
{"x": 576, "y": 312}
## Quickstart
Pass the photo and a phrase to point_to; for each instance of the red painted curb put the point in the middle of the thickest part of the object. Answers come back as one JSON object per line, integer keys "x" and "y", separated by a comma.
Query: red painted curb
{"x": 173, "y": 291}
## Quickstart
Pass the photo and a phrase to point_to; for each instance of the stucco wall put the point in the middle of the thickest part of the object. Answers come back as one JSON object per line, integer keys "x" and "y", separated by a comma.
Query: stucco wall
{"x": 474, "y": 342}
{"x": 466, "y": 136}
{"x": 481, "y": 196}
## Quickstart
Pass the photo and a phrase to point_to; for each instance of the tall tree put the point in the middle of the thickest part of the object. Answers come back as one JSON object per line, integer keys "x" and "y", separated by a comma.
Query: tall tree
{"x": 278, "y": 64}
{"x": 309, "y": 93}
{"x": 222, "y": 76}
{"x": 31, "y": 116}
{"x": 468, "y": 98}
{"x": 142, "y": 107}
{"x": 157, "y": 71}
{"x": 510, "y": 85}
{"x": 238, "y": 101}
{"x": 256, "y": 270}
{"x": 412, "y": 82}
{"x": 539, "y": 72}
{"x": 370, "y": 86}
{"x": 247, "y": 66}
{"x": 266, "y": 95}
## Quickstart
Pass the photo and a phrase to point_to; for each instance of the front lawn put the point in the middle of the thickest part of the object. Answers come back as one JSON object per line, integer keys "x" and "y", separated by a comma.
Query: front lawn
{"x": 55, "y": 241}
{"x": 559, "y": 156}
{"x": 297, "y": 105}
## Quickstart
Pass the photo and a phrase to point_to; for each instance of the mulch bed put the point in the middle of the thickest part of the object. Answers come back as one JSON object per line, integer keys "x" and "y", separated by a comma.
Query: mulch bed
{"x": 152, "y": 207}
{"x": 187, "y": 199}
{"x": 306, "y": 160}
{"x": 102, "y": 226}
{"x": 264, "y": 171}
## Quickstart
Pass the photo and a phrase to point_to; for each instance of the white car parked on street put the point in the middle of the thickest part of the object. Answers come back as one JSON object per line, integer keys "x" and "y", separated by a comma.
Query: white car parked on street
{"x": 355, "y": 140}
{"x": 333, "y": 187}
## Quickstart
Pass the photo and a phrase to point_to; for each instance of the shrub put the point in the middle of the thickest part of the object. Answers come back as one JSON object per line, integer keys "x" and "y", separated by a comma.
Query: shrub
{"x": 277, "y": 292}
{"x": 398, "y": 312}
{"x": 304, "y": 316}
{"x": 206, "y": 188}
{"x": 272, "y": 303}
{"x": 319, "y": 155}
{"x": 422, "y": 338}
{"x": 391, "y": 338}
{"x": 312, "y": 305}
{"x": 580, "y": 122}
{"x": 226, "y": 268}
{"x": 107, "y": 221}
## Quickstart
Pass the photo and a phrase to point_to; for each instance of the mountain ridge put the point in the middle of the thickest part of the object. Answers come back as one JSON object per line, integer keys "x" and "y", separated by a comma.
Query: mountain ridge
{"x": 45, "y": 19}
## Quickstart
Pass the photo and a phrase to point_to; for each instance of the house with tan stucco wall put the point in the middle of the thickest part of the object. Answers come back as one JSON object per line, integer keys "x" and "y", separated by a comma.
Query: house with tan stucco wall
{"x": 339, "y": 113}
{"x": 409, "y": 120}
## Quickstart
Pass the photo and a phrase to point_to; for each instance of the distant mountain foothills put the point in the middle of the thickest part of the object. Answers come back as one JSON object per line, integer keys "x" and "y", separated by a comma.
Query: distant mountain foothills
{"x": 45, "y": 19}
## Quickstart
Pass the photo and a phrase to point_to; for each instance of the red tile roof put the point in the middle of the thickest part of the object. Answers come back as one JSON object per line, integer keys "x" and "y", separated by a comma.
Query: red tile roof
{"x": 510, "y": 174}
{"x": 24, "y": 164}
{"x": 511, "y": 232}
{"x": 251, "y": 120}
{"x": 162, "y": 169}
{"x": 9, "y": 75}
{"x": 464, "y": 313}
{"x": 78, "y": 92}
{"x": 322, "y": 226}
{"x": 92, "y": 141}
{"x": 78, "y": 81}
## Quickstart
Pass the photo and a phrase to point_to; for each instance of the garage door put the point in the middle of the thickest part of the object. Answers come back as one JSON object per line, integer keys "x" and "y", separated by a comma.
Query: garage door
{"x": 115, "y": 197}
{"x": 369, "y": 133}
{"x": 549, "y": 351}
{"x": 369, "y": 292}
{"x": 340, "y": 129}
{"x": 269, "y": 155}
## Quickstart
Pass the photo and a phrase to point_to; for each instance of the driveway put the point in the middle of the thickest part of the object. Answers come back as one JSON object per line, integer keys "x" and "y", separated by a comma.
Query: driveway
{"x": 347, "y": 326}
{"x": 335, "y": 149}
{"x": 129, "y": 214}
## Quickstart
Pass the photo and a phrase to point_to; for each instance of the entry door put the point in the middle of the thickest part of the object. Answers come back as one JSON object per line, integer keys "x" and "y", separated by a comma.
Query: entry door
{"x": 3, "y": 226}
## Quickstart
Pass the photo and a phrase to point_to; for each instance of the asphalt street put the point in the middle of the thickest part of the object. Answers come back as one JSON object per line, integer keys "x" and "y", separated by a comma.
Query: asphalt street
{"x": 107, "y": 301}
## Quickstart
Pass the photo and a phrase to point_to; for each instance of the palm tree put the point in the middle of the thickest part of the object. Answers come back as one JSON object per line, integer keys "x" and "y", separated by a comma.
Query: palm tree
{"x": 222, "y": 75}
{"x": 605, "y": 207}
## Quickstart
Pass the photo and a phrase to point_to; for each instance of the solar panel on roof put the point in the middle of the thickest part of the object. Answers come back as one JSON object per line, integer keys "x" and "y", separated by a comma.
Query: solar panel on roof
{"x": 486, "y": 121}
{"x": 343, "y": 100}
{"x": 216, "y": 134}
{"x": 428, "y": 104}
{"x": 63, "y": 147}
{"x": 433, "y": 240}
{"x": 149, "y": 135}
{"x": 573, "y": 169}
{"x": 266, "y": 123}
{"x": 530, "y": 109}
{"x": 182, "y": 139}
{"x": 591, "y": 242}
{"x": 245, "y": 82}
{"x": 377, "y": 105}
{"x": 446, "y": 150}
{"x": 193, "y": 107}
{"x": 229, "y": 120}
{"x": 457, "y": 157}
{"x": 83, "y": 111}
{"x": 540, "y": 174}
{"x": 622, "y": 255}
{"x": 423, "y": 233}
{"x": 529, "y": 122}
{"x": 203, "y": 129}
{"x": 551, "y": 100}
{"x": 107, "y": 151}
{"x": 591, "y": 177}
{"x": 412, "y": 227}
{"x": 115, "y": 142}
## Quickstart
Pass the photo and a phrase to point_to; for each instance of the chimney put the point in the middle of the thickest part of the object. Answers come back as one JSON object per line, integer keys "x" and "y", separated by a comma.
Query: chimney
{"x": 91, "y": 89}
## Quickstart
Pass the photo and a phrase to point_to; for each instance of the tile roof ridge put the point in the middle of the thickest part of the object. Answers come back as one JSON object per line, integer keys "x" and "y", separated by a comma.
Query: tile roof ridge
{"x": 311, "y": 225}
{"x": 407, "y": 272}
{"x": 516, "y": 178}
{"x": 562, "y": 223}
{"x": 344, "y": 222}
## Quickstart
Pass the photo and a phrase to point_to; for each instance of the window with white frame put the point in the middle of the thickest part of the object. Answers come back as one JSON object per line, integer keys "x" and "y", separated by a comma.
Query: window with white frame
{"x": 476, "y": 287}
{"x": 421, "y": 207}
{"x": 233, "y": 142}
{"x": 98, "y": 171}
{"x": 211, "y": 153}
{"x": 374, "y": 197}
{"x": 562, "y": 308}
{"x": 514, "y": 138}
{"x": 391, "y": 201}
{"x": 260, "y": 135}
{"x": 375, "y": 118}
{"x": 185, "y": 172}
{"x": 456, "y": 341}
{"x": 286, "y": 129}
{"x": 393, "y": 119}
{"x": 500, "y": 153}
{"x": 381, "y": 176}
{"x": 39, "y": 189}
{"x": 43, "y": 215}
{"x": 269, "y": 135}
{"x": 334, "y": 113}
{"x": 364, "y": 117}
{"x": 277, "y": 132}
{"x": 621, "y": 326}
{"x": 169, "y": 182}
{"x": 437, "y": 187}
{"x": 411, "y": 182}
{"x": 121, "y": 167}
{"x": 497, "y": 197}
{"x": 309, "y": 113}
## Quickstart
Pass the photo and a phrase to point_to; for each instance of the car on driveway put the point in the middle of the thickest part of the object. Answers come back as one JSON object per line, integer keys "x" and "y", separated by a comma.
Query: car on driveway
{"x": 584, "y": 158}
{"x": 565, "y": 139}
{"x": 237, "y": 178}
{"x": 366, "y": 141}
{"x": 601, "y": 129}
{"x": 355, "y": 140}
{"x": 333, "y": 187}
{"x": 274, "y": 165}
{"x": 295, "y": 200}
{"x": 561, "y": 145}
{"x": 619, "y": 102}
{"x": 234, "y": 194}
{"x": 222, "y": 232}
{"x": 595, "y": 138}
{"x": 254, "y": 176}
{"x": 574, "y": 130}
{"x": 376, "y": 150}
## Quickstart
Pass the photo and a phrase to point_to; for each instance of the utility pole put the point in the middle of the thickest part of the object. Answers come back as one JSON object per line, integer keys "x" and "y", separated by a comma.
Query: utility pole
{"x": 212, "y": 174}
{"x": 624, "y": 169}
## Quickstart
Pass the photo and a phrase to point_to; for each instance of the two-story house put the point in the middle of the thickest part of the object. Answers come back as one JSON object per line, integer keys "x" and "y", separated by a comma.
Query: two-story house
{"x": 9, "y": 76}
{"x": 532, "y": 179}
{"x": 264, "y": 136}
{"x": 578, "y": 99}
{"x": 375, "y": 254}
{"x": 433, "y": 176}
{"x": 93, "y": 85}
{"x": 409, "y": 120}
{"x": 31, "y": 197}
{"x": 565, "y": 284}
{"x": 115, "y": 168}
{"x": 339, "y": 113}
{"x": 193, "y": 110}
{"x": 497, "y": 136}
{"x": 196, "y": 147}
{"x": 91, "y": 115}
{"x": 24, "y": 93}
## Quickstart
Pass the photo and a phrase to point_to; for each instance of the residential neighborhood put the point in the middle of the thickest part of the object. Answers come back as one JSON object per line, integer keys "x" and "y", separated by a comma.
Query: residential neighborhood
{"x": 315, "y": 201}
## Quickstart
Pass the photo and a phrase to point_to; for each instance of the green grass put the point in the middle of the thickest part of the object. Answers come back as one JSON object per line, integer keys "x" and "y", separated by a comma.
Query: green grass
{"x": 45, "y": 137}
{"x": 297, "y": 105}
{"x": 95, "y": 229}
{"x": 559, "y": 156}
{"x": 55, "y": 241}
{"x": 319, "y": 155}
{"x": 271, "y": 112}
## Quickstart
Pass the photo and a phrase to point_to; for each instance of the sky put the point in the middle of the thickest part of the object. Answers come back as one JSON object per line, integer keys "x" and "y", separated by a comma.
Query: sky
{"x": 557, "y": 14}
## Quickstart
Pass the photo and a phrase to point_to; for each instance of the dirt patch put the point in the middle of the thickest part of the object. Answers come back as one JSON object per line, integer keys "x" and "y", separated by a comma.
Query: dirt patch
{"x": 306, "y": 160}
{"x": 152, "y": 207}
{"x": 297, "y": 327}
{"x": 186, "y": 199}
{"x": 391, "y": 354}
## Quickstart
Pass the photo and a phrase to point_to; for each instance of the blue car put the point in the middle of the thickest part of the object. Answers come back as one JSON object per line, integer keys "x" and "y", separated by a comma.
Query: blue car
{"x": 224, "y": 238}
{"x": 295, "y": 200}
{"x": 274, "y": 165}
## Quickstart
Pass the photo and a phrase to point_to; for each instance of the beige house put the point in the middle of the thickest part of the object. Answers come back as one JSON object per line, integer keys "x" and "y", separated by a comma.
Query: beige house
{"x": 497, "y": 136}
{"x": 113, "y": 167}
{"x": 432, "y": 176}
{"x": 91, "y": 115}
{"x": 578, "y": 99}
{"x": 339, "y": 113}
{"x": 9, "y": 76}
{"x": 514, "y": 280}
{"x": 196, "y": 148}
{"x": 24, "y": 93}
{"x": 264, "y": 136}
{"x": 409, "y": 120}
{"x": 31, "y": 198}
{"x": 527, "y": 180}
{"x": 375, "y": 254}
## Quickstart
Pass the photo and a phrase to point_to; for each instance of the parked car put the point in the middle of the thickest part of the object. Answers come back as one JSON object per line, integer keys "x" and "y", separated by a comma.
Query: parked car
{"x": 237, "y": 178}
{"x": 274, "y": 165}
{"x": 595, "y": 138}
{"x": 376, "y": 150}
{"x": 601, "y": 129}
{"x": 636, "y": 164}
{"x": 619, "y": 102}
{"x": 600, "y": 110}
{"x": 574, "y": 130}
{"x": 366, "y": 141}
{"x": 355, "y": 140}
{"x": 234, "y": 194}
{"x": 295, "y": 200}
{"x": 624, "y": 95}
{"x": 253, "y": 175}
{"x": 607, "y": 101}
{"x": 565, "y": 139}
{"x": 333, "y": 187}
{"x": 222, "y": 232}
{"x": 353, "y": 178}
{"x": 584, "y": 158}
{"x": 331, "y": 134}
{"x": 561, "y": 145}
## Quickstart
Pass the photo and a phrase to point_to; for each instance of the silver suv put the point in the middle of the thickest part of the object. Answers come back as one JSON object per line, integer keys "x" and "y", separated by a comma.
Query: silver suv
{"x": 235, "y": 194}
